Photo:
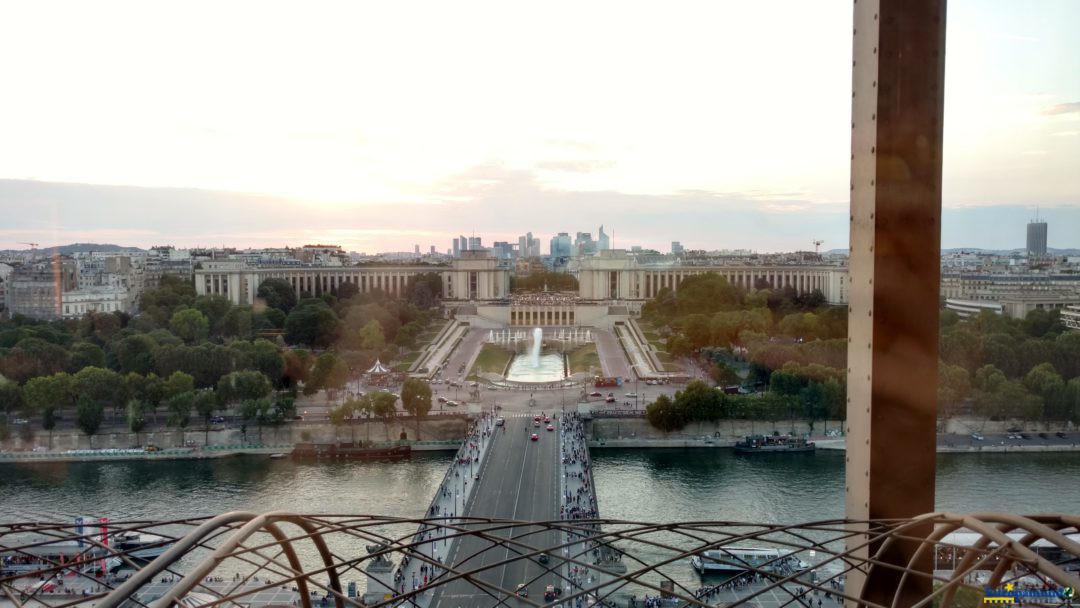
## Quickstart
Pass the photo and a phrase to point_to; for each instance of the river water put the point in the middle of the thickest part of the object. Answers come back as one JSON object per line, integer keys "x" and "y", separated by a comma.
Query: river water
{"x": 643, "y": 485}
{"x": 638, "y": 485}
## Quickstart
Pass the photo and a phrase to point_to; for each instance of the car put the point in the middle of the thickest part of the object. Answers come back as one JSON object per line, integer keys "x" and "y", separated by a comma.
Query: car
{"x": 152, "y": 448}
{"x": 522, "y": 590}
{"x": 1060, "y": 434}
{"x": 534, "y": 437}
{"x": 977, "y": 437}
{"x": 630, "y": 395}
{"x": 452, "y": 403}
{"x": 551, "y": 592}
{"x": 596, "y": 394}
{"x": 217, "y": 420}
{"x": 1043, "y": 436}
{"x": 609, "y": 400}
{"x": 550, "y": 427}
{"x": 546, "y": 419}
{"x": 1025, "y": 436}
{"x": 474, "y": 384}
{"x": 441, "y": 399}
{"x": 1014, "y": 429}
{"x": 543, "y": 558}
{"x": 536, "y": 423}
{"x": 19, "y": 421}
{"x": 500, "y": 421}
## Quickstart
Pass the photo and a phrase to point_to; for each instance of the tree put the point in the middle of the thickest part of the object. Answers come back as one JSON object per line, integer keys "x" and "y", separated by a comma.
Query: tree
{"x": 297, "y": 364}
{"x": 190, "y": 325}
{"x": 244, "y": 385}
{"x": 240, "y": 323}
{"x": 136, "y": 417}
{"x": 954, "y": 385}
{"x": 330, "y": 373}
{"x": 89, "y": 414}
{"x": 180, "y": 406}
{"x": 205, "y": 404}
{"x": 86, "y": 354}
{"x": 416, "y": 399}
{"x": 177, "y": 383}
{"x": 214, "y": 308}
{"x": 371, "y": 336}
{"x": 989, "y": 378}
{"x": 382, "y": 404}
{"x": 103, "y": 386}
{"x": 135, "y": 353}
{"x": 722, "y": 374}
{"x": 347, "y": 290}
{"x": 256, "y": 410}
{"x": 278, "y": 293}
{"x": 11, "y": 398}
{"x": 311, "y": 322}
{"x": 665, "y": 415}
{"x": 698, "y": 401}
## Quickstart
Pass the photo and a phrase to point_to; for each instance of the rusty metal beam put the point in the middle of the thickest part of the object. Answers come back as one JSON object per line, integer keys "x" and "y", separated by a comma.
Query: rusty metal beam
{"x": 896, "y": 150}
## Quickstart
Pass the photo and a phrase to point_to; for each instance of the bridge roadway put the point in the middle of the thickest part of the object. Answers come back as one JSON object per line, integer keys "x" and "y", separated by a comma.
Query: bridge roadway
{"x": 519, "y": 480}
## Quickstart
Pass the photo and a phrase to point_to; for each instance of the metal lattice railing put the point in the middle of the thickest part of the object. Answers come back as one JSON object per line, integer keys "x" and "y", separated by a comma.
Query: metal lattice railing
{"x": 289, "y": 559}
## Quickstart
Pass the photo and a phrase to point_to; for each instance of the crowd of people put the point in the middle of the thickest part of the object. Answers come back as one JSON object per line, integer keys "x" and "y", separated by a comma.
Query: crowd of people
{"x": 421, "y": 566}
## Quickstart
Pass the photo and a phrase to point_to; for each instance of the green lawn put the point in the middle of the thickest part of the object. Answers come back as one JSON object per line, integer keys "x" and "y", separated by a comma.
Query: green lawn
{"x": 583, "y": 359}
{"x": 491, "y": 359}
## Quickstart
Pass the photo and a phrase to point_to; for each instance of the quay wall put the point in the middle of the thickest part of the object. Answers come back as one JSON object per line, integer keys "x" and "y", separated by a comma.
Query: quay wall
{"x": 441, "y": 428}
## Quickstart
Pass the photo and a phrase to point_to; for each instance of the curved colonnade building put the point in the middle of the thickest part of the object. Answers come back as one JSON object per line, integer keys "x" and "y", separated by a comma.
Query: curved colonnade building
{"x": 611, "y": 278}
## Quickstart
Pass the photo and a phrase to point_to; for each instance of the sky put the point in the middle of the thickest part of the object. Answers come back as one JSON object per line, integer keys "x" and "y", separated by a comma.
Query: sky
{"x": 379, "y": 126}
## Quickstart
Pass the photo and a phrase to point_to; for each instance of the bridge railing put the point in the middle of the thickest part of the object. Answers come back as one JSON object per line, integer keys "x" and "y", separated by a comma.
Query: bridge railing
{"x": 286, "y": 558}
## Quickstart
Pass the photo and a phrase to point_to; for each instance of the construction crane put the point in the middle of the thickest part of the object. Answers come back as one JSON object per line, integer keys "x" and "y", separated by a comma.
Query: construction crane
{"x": 32, "y": 245}
{"x": 817, "y": 245}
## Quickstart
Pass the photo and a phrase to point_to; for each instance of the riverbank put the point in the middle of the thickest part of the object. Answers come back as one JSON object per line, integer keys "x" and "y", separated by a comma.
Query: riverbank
{"x": 193, "y": 453}
{"x": 825, "y": 443}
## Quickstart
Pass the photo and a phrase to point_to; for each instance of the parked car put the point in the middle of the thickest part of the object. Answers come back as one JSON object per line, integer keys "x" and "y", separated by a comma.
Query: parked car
{"x": 977, "y": 437}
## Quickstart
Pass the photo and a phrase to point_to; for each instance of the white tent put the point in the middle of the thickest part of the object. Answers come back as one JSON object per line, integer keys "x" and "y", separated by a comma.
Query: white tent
{"x": 378, "y": 368}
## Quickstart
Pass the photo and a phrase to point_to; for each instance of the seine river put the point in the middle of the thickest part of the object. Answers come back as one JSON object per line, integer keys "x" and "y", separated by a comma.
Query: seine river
{"x": 643, "y": 485}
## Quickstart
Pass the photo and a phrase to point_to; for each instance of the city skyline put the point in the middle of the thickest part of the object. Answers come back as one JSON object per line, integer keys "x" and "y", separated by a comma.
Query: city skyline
{"x": 378, "y": 131}
{"x": 59, "y": 214}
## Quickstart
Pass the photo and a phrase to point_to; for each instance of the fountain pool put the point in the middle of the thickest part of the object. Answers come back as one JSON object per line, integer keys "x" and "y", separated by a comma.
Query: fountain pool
{"x": 549, "y": 368}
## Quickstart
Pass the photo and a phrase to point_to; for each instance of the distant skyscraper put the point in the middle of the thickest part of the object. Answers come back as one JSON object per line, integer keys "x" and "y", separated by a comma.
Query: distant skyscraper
{"x": 1036, "y": 238}
{"x": 474, "y": 243}
{"x": 603, "y": 243}
{"x": 463, "y": 243}
{"x": 561, "y": 246}
{"x": 583, "y": 244}
{"x": 676, "y": 247}
{"x": 432, "y": 250}
{"x": 416, "y": 249}
{"x": 456, "y": 250}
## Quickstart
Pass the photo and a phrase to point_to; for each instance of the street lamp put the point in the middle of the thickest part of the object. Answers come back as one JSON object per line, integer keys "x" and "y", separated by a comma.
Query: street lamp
{"x": 637, "y": 377}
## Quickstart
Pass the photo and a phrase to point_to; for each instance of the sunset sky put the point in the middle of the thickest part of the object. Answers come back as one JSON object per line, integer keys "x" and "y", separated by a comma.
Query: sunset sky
{"x": 378, "y": 126}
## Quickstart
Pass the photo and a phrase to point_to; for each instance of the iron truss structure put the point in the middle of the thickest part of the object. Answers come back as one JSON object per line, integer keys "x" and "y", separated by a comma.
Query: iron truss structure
{"x": 274, "y": 559}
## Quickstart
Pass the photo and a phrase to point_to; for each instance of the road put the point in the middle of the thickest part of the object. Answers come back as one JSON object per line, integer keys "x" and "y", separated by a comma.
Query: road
{"x": 519, "y": 480}
{"x": 612, "y": 359}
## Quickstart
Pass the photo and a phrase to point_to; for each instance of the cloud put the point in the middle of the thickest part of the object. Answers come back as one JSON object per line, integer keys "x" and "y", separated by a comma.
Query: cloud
{"x": 576, "y": 166}
{"x": 1072, "y": 107}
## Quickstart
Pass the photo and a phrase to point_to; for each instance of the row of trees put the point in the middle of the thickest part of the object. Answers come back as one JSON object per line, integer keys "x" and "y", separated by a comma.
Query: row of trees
{"x": 992, "y": 366}
{"x": 698, "y": 402}
{"x": 207, "y": 336}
